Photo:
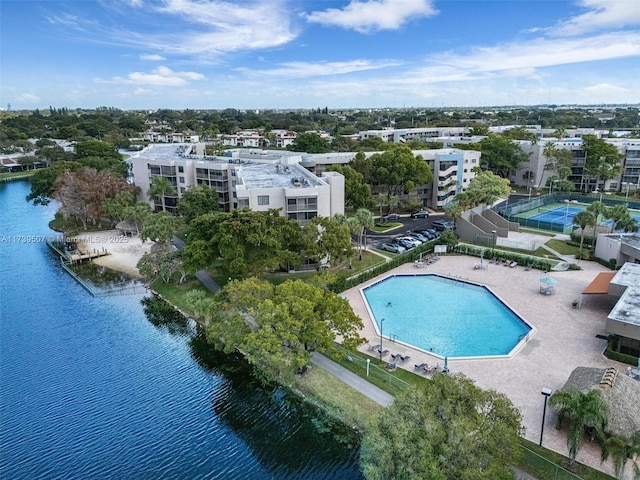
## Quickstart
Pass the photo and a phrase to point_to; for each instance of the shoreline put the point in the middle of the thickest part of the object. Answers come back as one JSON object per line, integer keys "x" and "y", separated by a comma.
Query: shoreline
{"x": 123, "y": 252}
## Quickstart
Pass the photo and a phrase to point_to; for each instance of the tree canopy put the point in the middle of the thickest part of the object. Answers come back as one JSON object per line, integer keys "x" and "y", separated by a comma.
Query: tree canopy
{"x": 397, "y": 169}
{"x": 310, "y": 142}
{"x": 197, "y": 201}
{"x": 484, "y": 188}
{"x": 501, "y": 155}
{"x": 448, "y": 429}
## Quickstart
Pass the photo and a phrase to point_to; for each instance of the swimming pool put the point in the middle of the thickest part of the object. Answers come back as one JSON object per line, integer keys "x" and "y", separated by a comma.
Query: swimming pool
{"x": 448, "y": 317}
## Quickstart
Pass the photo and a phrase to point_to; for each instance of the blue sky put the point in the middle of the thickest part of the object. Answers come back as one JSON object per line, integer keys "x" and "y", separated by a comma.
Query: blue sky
{"x": 209, "y": 54}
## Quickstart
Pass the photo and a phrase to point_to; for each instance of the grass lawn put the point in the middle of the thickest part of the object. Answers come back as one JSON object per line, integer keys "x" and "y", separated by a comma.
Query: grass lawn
{"x": 174, "y": 293}
{"x": 14, "y": 175}
{"x": 386, "y": 227}
{"x": 338, "y": 398}
{"x": 562, "y": 247}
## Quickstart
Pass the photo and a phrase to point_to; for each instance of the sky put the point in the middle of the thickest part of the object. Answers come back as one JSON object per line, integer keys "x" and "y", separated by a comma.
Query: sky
{"x": 284, "y": 54}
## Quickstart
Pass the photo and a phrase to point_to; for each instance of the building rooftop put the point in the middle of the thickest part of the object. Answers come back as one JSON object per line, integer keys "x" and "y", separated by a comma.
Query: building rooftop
{"x": 627, "y": 309}
{"x": 285, "y": 176}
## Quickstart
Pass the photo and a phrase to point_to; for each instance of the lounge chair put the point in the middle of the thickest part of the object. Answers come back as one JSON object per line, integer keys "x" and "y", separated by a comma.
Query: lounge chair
{"x": 405, "y": 358}
{"x": 374, "y": 347}
{"x": 396, "y": 356}
{"x": 513, "y": 264}
{"x": 528, "y": 267}
{"x": 420, "y": 367}
{"x": 428, "y": 368}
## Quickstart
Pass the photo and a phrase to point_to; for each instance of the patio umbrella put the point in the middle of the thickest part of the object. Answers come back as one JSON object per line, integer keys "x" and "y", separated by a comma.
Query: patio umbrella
{"x": 548, "y": 281}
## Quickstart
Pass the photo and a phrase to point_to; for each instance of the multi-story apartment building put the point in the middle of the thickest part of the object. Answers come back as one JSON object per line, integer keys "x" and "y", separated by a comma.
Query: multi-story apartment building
{"x": 535, "y": 173}
{"x": 256, "y": 179}
{"x": 452, "y": 170}
{"x": 170, "y": 137}
{"x": 402, "y": 135}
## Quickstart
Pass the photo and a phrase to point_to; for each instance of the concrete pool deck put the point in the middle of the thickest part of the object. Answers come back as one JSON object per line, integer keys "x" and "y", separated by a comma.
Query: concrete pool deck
{"x": 565, "y": 339}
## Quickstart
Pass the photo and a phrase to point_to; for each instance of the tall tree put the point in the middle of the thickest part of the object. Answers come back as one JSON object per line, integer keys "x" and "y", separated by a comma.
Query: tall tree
{"x": 583, "y": 220}
{"x": 197, "y": 201}
{"x": 602, "y": 161}
{"x": 161, "y": 187}
{"x": 326, "y": 239}
{"x": 310, "y": 142}
{"x": 159, "y": 227}
{"x": 398, "y": 170}
{"x": 448, "y": 429}
{"x": 357, "y": 193}
{"x": 501, "y": 155}
{"x": 484, "y": 188}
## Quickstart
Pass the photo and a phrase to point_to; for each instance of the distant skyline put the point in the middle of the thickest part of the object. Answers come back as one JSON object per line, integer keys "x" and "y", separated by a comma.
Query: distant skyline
{"x": 280, "y": 54}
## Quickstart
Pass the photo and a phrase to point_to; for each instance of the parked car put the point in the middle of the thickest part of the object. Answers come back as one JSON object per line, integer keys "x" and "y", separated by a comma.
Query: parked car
{"x": 421, "y": 238}
{"x": 391, "y": 217}
{"x": 441, "y": 225}
{"x": 420, "y": 214}
{"x": 393, "y": 247}
{"x": 413, "y": 241}
{"x": 407, "y": 244}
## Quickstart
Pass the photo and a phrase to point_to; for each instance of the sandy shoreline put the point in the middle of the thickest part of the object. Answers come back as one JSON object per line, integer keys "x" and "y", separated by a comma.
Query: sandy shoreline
{"x": 124, "y": 252}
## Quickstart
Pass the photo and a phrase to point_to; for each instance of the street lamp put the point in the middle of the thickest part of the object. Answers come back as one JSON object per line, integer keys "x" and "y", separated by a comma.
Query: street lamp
{"x": 381, "y": 322}
{"x": 566, "y": 212}
{"x": 546, "y": 392}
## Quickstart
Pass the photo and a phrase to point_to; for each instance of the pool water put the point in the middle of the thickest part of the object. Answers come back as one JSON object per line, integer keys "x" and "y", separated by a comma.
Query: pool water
{"x": 451, "y": 318}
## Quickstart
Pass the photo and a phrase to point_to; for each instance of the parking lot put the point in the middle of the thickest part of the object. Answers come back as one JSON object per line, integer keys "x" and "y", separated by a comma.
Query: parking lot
{"x": 408, "y": 225}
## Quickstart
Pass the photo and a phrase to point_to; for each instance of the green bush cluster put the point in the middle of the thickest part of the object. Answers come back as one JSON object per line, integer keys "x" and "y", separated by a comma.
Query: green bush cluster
{"x": 611, "y": 354}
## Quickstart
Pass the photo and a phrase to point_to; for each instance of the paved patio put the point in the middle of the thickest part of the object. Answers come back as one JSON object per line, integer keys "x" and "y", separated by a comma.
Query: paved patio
{"x": 565, "y": 339}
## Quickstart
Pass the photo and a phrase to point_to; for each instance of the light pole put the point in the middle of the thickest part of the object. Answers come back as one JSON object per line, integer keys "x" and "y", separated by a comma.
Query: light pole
{"x": 626, "y": 197}
{"x": 546, "y": 392}
{"x": 381, "y": 322}
{"x": 495, "y": 237}
{"x": 566, "y": 212}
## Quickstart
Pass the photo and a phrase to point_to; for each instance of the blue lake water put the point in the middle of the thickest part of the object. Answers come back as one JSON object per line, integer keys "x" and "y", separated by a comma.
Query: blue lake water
{"x": 93, "y": 388}
{"x": 449, "y": 317}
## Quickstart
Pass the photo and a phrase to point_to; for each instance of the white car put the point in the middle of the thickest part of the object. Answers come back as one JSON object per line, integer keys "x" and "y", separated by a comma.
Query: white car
{"x": 414, "y": 241}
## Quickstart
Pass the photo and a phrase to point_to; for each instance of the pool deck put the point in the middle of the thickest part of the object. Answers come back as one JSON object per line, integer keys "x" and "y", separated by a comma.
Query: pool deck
{"x": 565, "y": 338}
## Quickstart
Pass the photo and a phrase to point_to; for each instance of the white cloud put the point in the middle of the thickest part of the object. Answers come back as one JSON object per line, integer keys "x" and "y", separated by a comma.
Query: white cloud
{"x": 601, "y": 14}
{"x": 373, "y": 15}
{"x": 606, "y": 89}
{"x": 317, "y": 69}
{"x": 28, "y": 98}
{"x": 224, "y": 26}
{"x": 161, "y": 76}
{"x": 152, "y": 58}
{"x": 544, "y": 53}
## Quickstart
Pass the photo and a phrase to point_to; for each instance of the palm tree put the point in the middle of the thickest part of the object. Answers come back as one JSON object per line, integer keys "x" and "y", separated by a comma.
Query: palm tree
{"x": 627, "y": 224}
{"x": 582, "y": 410}
{"x": 454, "y": 210}
{"x": 617, "y": 213}
{"x": 161, "y": 186}
{"x": 621, "y": 452}
{"x": 598, "y": 209}
{"x": 365, "y": 220}
{"x": 583, "y": 219}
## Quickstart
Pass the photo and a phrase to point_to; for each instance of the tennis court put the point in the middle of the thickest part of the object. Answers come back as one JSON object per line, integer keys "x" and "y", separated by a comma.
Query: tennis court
{"x": 561, "y": 215}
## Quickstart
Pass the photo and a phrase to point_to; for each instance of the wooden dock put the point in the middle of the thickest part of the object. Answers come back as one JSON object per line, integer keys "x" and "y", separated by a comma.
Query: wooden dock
{"x": 78, "y": 256}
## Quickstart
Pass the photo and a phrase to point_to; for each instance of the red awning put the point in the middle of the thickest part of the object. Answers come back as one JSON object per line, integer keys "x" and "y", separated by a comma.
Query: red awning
{"x": 600, "y": 284}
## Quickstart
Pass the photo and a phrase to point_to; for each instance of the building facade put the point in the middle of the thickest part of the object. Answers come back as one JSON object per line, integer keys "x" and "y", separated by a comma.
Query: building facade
{"x": 258, "y": 180}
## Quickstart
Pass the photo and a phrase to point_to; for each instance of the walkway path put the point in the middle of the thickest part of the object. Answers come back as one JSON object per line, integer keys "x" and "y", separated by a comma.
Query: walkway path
{"x": 374, "y": 393}
{"x": 369, "y": 390}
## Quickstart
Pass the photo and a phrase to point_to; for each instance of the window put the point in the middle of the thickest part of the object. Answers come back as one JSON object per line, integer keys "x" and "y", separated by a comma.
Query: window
{"x": 181, "y": 180}
{"x": 180, "y": 169}
{"x": 263, "y": 199}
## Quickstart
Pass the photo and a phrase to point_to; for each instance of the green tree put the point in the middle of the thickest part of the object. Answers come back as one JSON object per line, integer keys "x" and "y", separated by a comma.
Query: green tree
{"x": 357, "y": 193}
{"x": 398, "y": 170}
{"x": 138, "y": 214}
{"x": 96, "y": 148}
{"x": 583, "y": 219}
{"x": 243, "y": 242}
{"x": 161, "y": 187}
{"x": 159, "y": 227}
{"x": 115, "y": 207}
{"x": 619, "y": 214}
{"x": 559, "y": 160}
{"x": 310, "y": 142}
{"x": 501, "y": 155}
{"x": 365, "y": 221}
{"x": 449, "y": 429}
{"x": 455, "y": 211}
{"x": 582, "y": 410}
{"x": 602, "y": 160}
{"x": 43, "y": 181}
{"x": 599, "y": 211}
{"x": 484, "y": 188}
{"x": 326, "y": 240}
{"x": 197, "y": 201}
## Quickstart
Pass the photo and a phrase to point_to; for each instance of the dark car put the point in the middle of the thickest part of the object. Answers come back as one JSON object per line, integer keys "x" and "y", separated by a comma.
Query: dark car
{"x": 404, "y": 242}
{"x": 420, "y": 214}
{"x": 391, "y": 217}
{"x": 441, "y": 225}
